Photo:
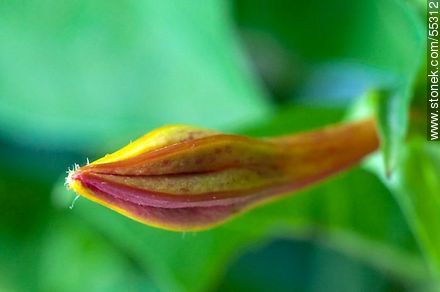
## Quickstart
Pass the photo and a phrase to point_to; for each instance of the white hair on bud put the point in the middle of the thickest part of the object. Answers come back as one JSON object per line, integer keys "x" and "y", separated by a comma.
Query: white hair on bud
{"x": 70, "y": 173}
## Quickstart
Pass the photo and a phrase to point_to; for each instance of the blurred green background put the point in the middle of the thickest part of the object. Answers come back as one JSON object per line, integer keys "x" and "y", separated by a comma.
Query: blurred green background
{"x": 79, "y": 79}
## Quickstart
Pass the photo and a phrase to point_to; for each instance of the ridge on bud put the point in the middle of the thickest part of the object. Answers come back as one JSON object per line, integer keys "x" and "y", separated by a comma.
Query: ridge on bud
{"x": 184, "y": 178}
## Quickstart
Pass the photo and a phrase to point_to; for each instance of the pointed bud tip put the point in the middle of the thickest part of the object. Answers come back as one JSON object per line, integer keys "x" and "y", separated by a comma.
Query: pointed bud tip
{"x": 72, "y": 175}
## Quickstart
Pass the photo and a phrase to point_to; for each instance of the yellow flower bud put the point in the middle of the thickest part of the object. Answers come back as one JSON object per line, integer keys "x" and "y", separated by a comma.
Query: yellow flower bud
{"x": 184, "y": 178}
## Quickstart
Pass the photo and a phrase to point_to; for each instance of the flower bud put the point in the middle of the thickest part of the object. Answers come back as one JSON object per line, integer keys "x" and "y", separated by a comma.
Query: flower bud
{"x": 184, "y": 178}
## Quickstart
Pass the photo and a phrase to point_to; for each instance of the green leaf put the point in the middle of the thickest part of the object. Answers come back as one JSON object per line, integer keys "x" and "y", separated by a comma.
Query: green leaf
{"x": 93, "y": 75}
{"x": 417, "y": 188}
{"x": 383, "y": 34}
{"x": 23, "y": 214}
{"x": 392, "y": 111}
{"x": 73, "y": 258}
{"x": 414, "y": 181}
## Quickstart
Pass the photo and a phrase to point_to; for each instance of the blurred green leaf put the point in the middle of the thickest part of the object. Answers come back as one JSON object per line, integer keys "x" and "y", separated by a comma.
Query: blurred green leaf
{"x": 391, "y": 109}
{"x": 303, "y": 265}
{"x": 92, "y": 75}
{"x": 394, "y": 101}
{"x": 414, "y": 181}
{"x": 362, "y": 32}
{"x": 23, "y": 214}
{"x": 353, "y": 213}
{"x": 415, "y": 186}
{"x": 75, "y": 258}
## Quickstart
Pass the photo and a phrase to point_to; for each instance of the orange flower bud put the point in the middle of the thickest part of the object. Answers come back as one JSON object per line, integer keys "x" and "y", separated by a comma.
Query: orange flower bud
{"x": 183, "y": 178}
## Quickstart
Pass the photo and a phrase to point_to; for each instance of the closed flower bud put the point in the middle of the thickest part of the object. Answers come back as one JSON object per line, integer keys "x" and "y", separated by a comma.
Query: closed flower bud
{"x": 184, "y": 178}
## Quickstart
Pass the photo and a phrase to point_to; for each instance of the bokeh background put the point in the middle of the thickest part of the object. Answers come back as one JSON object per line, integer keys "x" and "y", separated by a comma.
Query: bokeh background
{"x": 79, "y": 79}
